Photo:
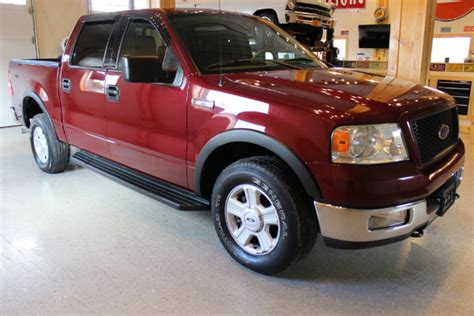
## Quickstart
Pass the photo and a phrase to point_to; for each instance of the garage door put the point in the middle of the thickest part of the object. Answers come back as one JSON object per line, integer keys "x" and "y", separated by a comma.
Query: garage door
{"x": 16, "y": 33}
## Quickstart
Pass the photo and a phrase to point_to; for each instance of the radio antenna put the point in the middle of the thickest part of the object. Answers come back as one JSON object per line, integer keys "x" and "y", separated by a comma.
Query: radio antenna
{"x": 221, "y": 79}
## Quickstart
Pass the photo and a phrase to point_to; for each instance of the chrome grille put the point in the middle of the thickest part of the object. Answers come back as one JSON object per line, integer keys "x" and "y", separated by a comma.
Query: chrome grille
{"x": 312, "y": 8}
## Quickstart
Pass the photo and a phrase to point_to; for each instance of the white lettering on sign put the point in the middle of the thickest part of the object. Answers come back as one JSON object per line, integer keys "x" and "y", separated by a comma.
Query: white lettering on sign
{"x": 349, "y": 4}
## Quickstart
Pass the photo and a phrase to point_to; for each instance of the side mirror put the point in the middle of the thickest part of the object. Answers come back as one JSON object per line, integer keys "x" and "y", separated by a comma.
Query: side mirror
{"x": 145, "y": 69}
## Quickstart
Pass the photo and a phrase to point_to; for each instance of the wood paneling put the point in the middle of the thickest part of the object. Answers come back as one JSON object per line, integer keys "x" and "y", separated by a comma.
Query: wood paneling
{"x": 411, "y": 38}
{"x": 168, "y": 4}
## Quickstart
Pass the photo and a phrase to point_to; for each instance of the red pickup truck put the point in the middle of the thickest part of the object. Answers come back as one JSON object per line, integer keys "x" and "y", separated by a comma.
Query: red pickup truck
{"x": 206, "y": 109}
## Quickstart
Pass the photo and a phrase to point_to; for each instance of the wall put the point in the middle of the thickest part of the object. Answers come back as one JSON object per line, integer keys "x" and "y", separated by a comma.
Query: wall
{"x": 457, "y": 26}
{"x": 349, "y": 20}
{"x": 16, "y": 32}
{"x": 54, "y": 21}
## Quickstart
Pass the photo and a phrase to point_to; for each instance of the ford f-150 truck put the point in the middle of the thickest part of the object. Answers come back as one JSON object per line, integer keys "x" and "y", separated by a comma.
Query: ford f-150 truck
{"x": 206, "y": 109}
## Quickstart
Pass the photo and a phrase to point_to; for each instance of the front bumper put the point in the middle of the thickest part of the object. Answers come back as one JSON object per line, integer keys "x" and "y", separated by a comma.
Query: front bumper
{"x": 348, "y": 228}
{"x": 344, "y": 227}
{"x": 384, "y": 185}
{"x": 310, "y": 19}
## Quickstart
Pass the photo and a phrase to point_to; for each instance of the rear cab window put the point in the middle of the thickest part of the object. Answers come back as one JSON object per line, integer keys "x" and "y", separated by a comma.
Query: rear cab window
{"x": 91, "y": 44}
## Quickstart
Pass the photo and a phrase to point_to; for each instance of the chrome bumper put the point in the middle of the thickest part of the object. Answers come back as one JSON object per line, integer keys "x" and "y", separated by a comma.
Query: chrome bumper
{"x": 352, "y": 225}
{"x": 309, "y": 18}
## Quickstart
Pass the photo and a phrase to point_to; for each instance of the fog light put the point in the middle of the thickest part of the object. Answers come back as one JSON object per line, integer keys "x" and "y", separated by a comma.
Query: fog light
{"x": 460, "y": 175}
{"x": 388, "y": 220}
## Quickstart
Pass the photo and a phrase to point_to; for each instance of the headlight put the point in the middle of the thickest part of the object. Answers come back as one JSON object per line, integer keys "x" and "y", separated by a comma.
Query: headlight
{"x": 291, "y": 4}
{"x": 368, "y": 144}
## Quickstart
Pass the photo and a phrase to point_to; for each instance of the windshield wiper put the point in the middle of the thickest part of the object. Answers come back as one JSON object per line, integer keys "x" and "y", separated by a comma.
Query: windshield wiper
{"x": 237, "y": 63}
{"x": 302, "y": 59}
{"x": 251, "y": 62}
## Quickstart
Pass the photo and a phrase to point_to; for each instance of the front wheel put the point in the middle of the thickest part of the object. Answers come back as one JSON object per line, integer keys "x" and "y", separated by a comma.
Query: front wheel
{"x": 269, "y": 16}
{"x": 51, "y": 155}
{"x": 261, "y": 215}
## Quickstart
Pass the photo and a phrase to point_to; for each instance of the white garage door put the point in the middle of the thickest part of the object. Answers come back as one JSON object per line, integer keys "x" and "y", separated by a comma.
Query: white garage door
{"x": 16, "y": 33}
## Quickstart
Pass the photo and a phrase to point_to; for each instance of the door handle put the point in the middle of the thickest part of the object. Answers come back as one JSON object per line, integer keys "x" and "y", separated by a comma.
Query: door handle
{"x": 66, "y": 85}
{"x": 113, "y": 93}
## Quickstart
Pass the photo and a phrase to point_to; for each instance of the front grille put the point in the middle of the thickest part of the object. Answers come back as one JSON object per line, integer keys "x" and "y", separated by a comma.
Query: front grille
{"x": 312, "y": 8}
{"x": 426, "y": 131}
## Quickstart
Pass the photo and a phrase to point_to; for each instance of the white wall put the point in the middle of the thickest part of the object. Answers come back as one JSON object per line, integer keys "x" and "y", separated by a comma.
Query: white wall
{"x": 16, "y": 32}
{"x": 349, "y": 20}
{"x": 457, "y": 26}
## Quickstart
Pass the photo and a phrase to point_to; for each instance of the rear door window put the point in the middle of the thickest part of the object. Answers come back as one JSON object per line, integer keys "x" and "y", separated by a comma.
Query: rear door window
{"x": 91, "y": 44}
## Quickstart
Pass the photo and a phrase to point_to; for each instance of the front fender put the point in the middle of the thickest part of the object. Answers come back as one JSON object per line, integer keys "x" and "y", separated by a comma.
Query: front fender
{"x": 265, "y": 141}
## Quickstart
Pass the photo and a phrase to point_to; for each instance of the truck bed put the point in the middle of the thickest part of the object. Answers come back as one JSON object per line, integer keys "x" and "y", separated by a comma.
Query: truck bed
{"x": 48, "y": 62}
{"x": 35, "y": 78}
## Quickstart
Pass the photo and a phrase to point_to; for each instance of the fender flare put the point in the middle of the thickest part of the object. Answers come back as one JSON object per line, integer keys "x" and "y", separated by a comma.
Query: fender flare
{"x": 37, "y": 99}
{"x": 265, "y": 141}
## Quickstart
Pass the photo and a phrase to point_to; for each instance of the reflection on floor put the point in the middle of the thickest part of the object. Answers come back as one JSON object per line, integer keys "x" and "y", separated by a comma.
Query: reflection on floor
{"x": 77, "y": 242}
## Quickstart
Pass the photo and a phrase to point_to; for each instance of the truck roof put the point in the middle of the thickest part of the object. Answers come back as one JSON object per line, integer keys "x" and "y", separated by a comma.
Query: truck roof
{"x": 112, "y": 15}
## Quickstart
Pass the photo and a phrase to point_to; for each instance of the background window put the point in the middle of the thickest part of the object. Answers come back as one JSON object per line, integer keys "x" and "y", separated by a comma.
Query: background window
{"x": 97, "y": 6}
{"x": 341, "y": 44}
{"x": 141, "y": 4}
{"x": 454, "y": 48}
{"x": 108, "y": 5}
{"x": 19, "y": 2}
{"x": 91, "y": 44}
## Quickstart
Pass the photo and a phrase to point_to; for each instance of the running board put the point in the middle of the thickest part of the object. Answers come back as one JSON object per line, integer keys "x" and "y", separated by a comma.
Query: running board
{"x": 166, "y": 193}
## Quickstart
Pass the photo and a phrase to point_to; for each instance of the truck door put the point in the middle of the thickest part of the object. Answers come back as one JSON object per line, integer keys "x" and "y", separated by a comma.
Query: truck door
{"x": 82, "y": 88}
{"x": 146, "y": 122}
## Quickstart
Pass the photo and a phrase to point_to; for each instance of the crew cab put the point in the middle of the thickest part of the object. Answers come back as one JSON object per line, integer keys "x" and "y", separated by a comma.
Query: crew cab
{"x": 210, "y": 109}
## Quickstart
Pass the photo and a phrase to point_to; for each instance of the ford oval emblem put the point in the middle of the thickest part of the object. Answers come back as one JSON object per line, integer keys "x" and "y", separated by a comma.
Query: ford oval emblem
{"x": 250, "y": 220}
{"x": 443, "y": 132}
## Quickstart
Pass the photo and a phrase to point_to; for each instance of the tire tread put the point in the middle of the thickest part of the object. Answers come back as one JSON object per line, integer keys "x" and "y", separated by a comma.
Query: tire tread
{"x": 59, "y": 151}
{"x": 277, "y": 171}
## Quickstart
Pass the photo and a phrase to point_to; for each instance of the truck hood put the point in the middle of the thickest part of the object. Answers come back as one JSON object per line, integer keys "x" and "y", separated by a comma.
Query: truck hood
{"x": 339, "y": 94}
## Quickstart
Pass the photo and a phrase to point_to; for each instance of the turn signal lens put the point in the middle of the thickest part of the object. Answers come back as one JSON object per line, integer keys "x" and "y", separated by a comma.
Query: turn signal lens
{"x": 340, "y": 141}
{"x": 368, "y": 144}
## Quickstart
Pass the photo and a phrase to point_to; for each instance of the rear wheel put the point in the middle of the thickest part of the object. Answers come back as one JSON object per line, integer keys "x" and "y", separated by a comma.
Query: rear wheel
{"x": 51, "y": 155}
{"x": 261, "y": 215}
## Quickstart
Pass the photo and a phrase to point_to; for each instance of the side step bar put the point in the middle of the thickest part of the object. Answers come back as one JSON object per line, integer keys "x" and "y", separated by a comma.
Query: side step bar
{"x": 166, "y": 193}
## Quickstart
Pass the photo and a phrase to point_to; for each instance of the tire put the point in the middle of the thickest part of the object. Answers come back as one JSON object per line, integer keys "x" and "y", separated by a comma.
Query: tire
{"x": 274, "y": 227}
{"x": 269, "y": 16}
{"x": 51, "y": 155}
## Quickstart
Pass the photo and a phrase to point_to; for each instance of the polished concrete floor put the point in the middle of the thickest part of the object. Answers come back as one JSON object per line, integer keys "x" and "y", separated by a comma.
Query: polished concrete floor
{"x": 77, "y": 242}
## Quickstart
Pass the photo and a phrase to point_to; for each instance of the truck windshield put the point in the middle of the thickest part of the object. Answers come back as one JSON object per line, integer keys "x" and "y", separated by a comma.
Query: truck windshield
{"x": 237, "y": 43}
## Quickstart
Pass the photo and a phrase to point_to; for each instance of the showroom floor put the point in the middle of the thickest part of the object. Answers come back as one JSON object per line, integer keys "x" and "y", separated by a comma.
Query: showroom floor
{"x": 78, "y": 242}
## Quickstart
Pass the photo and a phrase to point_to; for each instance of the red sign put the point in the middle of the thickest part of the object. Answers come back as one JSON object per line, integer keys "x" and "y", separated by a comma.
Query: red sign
{"x": 449, "y": 10}
{"x": 469, "y": 28}
{"x": 349, "y": 4}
